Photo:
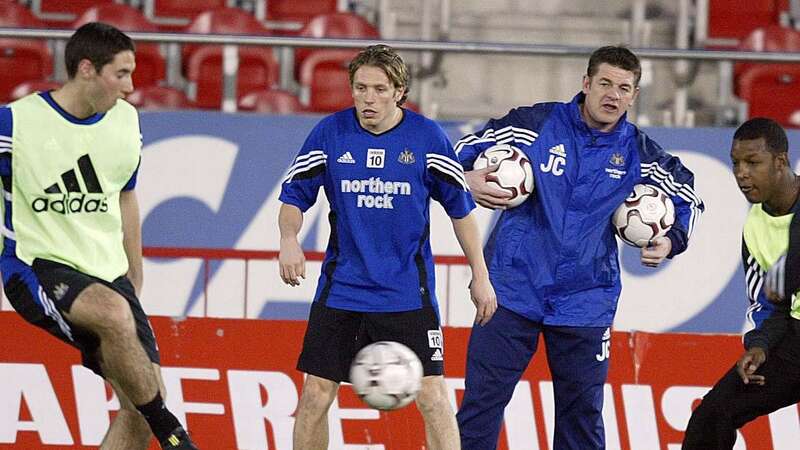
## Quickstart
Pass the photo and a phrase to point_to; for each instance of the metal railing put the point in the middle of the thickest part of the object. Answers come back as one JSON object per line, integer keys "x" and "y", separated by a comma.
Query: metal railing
{"x": 208, "y": 256}
{"x": 419, "y": 45}
{"x": 725, "y": 58}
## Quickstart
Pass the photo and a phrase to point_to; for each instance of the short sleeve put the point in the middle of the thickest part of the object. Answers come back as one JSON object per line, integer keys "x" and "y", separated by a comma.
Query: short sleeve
{"x": 446, "y": 177}
{"x": 306, "y": 174}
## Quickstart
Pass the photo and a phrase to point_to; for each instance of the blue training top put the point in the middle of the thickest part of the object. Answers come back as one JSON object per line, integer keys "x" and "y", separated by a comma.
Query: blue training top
{"x": 553, "y": 259}
{"x": 379, "y": 188}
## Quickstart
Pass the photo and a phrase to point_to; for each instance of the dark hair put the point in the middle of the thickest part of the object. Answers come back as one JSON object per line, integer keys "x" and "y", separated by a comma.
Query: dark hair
{"x": 761, "y": 127}
{"x": 617, "y": 56}
{"x": 98, "y": 42}
{"x": 385, "y": 58}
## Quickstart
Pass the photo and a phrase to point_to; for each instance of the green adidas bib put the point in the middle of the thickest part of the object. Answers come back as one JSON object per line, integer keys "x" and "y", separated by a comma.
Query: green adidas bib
{"x": 66, "y": 180}
{"x": 767, "y": 239}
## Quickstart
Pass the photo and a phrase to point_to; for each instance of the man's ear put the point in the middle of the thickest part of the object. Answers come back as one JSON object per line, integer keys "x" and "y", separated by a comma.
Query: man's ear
{"x": 86, "y": 69}
{"x": 783, "y": 158}
{"x": 586, "y": 84}
{"x": 636, "y": 91}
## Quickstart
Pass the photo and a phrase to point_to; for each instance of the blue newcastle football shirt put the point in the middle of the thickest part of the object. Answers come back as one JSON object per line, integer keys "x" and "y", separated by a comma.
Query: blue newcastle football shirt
{"x": 379, "y": 188}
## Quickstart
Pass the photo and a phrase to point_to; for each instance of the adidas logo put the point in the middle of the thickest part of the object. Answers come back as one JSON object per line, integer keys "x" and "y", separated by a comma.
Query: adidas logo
{"x": 347, "y": 158}
{"x": 60, "y": 291}
{"x": 558, "y": 150}
{"x": 607, "y": 334}
{"x": 74, "y": 198}
{"x": 437, "y": 355}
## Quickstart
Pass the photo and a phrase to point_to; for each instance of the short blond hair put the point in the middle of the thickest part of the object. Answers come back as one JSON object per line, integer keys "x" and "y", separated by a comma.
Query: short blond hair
{"x": 385, "y": 58}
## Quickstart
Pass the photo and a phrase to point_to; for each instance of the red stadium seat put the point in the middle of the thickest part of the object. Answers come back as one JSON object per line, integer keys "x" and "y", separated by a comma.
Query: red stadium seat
{"x": 150, "y": 64}
{"x": 773, "y": 38}
{"x": 771, "y": 90}
{"x": 159, "y": 98}
{"x": 59, "y": 13}
{"x": 325, "y": 79}
{"x": 257, "y": 70}
{"x": 729, "y": 19}
{"x": 180, "y": 10}
{"x": 124, "y": 17}
{"x": 336, "y": 25}
{"x": 21, "y": 59}
{"x": 223, "y": 21}
{"x": 29, "y": 87}
{"x": 273, "y": 101}
{"x": 14, "y": 15}
{"x": 292, "y": 10}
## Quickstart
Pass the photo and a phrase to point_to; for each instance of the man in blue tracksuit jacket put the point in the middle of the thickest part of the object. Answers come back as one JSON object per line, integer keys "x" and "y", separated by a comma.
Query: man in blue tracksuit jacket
{"x": 553, "y": 260}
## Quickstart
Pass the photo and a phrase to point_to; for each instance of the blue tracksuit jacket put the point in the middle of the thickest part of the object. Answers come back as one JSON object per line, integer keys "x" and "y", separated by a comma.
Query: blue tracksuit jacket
{"x": 554, "y": 259}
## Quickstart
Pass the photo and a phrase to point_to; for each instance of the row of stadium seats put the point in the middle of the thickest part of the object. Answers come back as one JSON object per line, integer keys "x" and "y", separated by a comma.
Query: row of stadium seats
{"x": 274, "y": 101}
{"x": 169, "y": 13}
{"x": 321, "y": 74}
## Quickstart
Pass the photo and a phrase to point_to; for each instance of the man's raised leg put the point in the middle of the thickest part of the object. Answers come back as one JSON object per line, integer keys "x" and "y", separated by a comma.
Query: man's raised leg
{"x": 108, "y": 315}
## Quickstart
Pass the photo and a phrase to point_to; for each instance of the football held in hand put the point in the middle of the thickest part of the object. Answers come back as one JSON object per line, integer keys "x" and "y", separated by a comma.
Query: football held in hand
{"x": 647, "y": 213}
{"x": 513, "y": 175}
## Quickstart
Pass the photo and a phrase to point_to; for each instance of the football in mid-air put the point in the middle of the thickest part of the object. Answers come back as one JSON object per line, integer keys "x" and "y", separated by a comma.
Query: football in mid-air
{"x": 386, "y": 375}
{"x": 514, "y": 174}
{"x": 646, "y": 214}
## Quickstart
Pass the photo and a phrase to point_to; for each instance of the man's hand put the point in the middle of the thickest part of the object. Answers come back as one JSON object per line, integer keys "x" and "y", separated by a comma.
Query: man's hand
{"x": 747, "y": 365}
{"x": 482, "y": 294}
{"x": 292, "y": 262}
{"x": 655, "y": 253}
{"x": 485, "y": 195}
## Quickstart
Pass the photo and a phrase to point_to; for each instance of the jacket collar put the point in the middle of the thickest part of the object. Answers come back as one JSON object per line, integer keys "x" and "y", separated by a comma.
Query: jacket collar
{"x": 617, "y": 132}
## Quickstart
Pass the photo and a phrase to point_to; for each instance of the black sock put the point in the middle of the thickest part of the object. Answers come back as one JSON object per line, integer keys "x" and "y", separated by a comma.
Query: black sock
{"x": 161, "y": 421}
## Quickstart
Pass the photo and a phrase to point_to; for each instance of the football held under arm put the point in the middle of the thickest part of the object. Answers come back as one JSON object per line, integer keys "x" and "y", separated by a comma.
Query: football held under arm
{"x": 669, "y": 174}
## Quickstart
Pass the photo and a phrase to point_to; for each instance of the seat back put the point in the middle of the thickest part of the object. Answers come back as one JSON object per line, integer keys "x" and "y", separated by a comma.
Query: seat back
{"x": 70, "y": 9}
{"x": 292, "y": 10}
{"x": 258, "y": 69}
{"x": 21, "y": 59}
{"x": 771, "y": 90}
{"x": 124, "y": 17}
{"x": 159, "y": 98}
{"x": 183, "y": 9}
{"x": 336, "y": 25}
{"x": 730, "y": 19}
{"x": 773, "y": 38}
{"x": 150, "y": 63}
{"x": 223, "y": 21}
{"x": 325, "y": 80}
{"x": 14, "y": 15}
{"x": 275, "y": 101}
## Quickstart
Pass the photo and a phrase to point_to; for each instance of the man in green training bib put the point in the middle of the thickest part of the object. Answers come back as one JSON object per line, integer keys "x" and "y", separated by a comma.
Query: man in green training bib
{"x": 767, "y": 376}
{"x": 72, "y": 250}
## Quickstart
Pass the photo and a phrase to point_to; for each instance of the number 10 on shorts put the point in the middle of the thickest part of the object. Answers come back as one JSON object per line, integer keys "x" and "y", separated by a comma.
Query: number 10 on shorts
{"x": 435, "y": 338}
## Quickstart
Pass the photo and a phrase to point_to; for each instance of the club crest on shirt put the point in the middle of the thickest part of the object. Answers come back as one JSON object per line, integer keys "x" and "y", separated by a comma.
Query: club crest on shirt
{"x": 406, "y": 157}
{"x": 616, "y": 160}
